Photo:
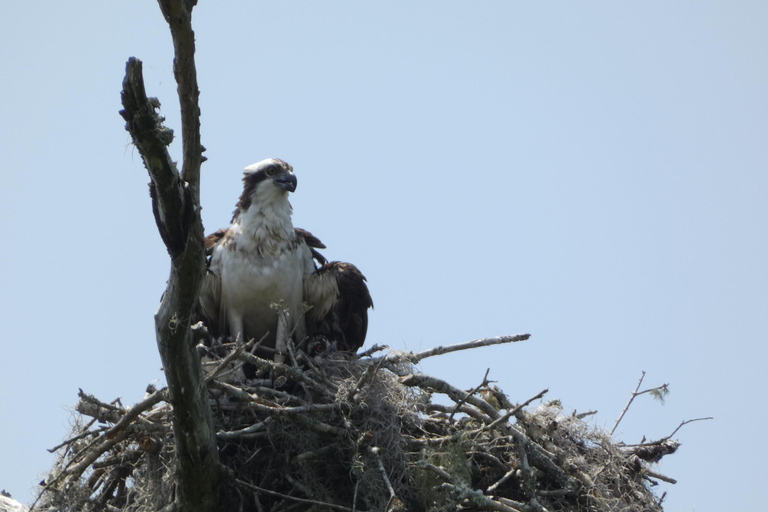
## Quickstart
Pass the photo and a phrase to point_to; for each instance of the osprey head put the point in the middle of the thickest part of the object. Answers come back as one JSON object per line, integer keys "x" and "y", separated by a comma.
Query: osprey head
{"x": 280, "y": 173}
{"x": 266, "y": 181}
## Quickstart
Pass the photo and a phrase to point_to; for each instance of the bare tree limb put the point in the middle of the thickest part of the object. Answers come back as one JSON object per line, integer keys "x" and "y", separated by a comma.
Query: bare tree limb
{"x": 484, "y": 342}
{"x": 492, "y": 488}
{"x": 137, "y": 409}
{"x": 471, "y": 392}
{"x": 178, "y": 14}
{"x": 654, "y": 474}
{"x": 176, "y": 206}
{"x": 74, "y": 471}
{"x": 454, "y": 393}
{"x": 514, "y": 411}
{"x": 392, "y": 495}
{"x": 83, "y": 435}
{"x": 685, "y": 423}
{"x": 658, "y": 392}
{"x": 626, "y": 407}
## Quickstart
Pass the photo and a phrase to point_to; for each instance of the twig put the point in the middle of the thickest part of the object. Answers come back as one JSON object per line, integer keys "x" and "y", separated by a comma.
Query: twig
{"x": 277, "y": 395}
{"x": 94, "y": 449}
{"x": 288, "y": 371}
{"x": 465, "y": 409}
{"x": 455, "y": 394}
{"x": 392, "y": 496}
{"x": 626, "y": 407}
{"x": 659, "y": 476}
{"x": 510, "y": 413}
{"x": 231, "y": 357}
{"x": 515, "y": 505}
{"x": 440, "y": 471}
{"x": 74, "y": 471}
{"x": 368, "y": 376}
{"x": 272, "y": 408}
{"x": 296, "y": 414}
{"x": 685, "y": 423}
{"x": 314, "y": 453}
{"x": 93, "y": 400}
{"x": 529, "y": 477}
{"x": 130, "y": 456}
{"x": 245, "y": 432}
{"x": 318, "y": 426}
{"x": 489, "y": 457}
{"x": 492, "y": 488}
{"x": 485, "y": 342}
{"x": 300, "y": 410}
{"x": 371, "y": 351}
{"x": 300, "y": 486}
{"x": 539, "y": 457}
{"x": 655, "y": 450}
{"x": 464, "y": 491}
{"x": 137, "y": 409}
{"x": 354, "y": 496}
{"x": 535, "y": 505}
{"x": 78, "y": 437}
{"x": 236, "y": 392}
{"x": 471, "y": 392}
{"x": 659, "y": 392}
{"x": 293, "y": 498}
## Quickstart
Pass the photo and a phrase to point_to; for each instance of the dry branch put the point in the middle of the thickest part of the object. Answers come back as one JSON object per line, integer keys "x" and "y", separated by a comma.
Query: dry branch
{"x": 457, "y": 395}
{"x": 685, "y": 422}
{"x": 654, "y": 474}
{"x": 515, "y": 410}
{"x": 444, "y": 349}
{"x": 659, "y": 392}
{"x": 176, "y": 207}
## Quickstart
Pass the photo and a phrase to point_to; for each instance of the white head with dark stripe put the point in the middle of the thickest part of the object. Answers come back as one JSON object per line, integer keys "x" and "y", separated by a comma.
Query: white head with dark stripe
{"x": 266, "y": 182}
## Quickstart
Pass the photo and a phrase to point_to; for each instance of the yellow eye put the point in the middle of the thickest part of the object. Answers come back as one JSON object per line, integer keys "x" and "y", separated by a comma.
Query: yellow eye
{"x": 271, "y": 171}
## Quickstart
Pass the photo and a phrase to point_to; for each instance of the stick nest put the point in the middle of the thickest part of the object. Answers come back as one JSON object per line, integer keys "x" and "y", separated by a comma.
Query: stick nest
{"x": 354, "y": 433}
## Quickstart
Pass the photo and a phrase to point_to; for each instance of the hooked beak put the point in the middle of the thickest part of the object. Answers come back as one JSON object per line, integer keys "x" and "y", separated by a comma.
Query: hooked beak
{"x": 288, "y": 182}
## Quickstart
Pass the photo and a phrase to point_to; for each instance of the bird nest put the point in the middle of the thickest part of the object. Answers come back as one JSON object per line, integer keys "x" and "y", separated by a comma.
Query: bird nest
{"x": 354, "y": 433}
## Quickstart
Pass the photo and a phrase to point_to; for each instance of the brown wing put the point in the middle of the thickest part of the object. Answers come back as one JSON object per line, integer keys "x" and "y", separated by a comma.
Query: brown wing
{"x": 346, "y": 322}
{"x": 212, "y": 239}
{"x": 209, "y": 303}
{"x": 314, "y": 243}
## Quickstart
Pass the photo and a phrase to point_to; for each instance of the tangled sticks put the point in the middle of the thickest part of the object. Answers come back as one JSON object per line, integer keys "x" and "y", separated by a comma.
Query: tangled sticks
{"x": 354, "y": 433}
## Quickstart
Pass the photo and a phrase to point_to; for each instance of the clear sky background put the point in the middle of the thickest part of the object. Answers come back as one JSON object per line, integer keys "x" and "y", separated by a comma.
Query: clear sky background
{"x": 593, "y": 173}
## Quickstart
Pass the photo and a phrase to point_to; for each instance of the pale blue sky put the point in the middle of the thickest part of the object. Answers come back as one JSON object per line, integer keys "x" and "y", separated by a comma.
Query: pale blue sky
{"x": 595, "y": 174}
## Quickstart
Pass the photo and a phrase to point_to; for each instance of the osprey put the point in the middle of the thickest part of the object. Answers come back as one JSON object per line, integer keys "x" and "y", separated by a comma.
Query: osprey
{"x": 263, "y": 273}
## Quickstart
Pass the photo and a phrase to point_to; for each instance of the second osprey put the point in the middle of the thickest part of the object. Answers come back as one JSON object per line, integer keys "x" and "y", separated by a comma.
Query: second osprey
{"x": 261, "y": 261}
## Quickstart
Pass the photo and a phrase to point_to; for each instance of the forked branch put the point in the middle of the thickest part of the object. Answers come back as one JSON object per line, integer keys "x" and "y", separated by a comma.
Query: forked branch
{"x": 176, "y": 207}
{"x": 658, "y": 392}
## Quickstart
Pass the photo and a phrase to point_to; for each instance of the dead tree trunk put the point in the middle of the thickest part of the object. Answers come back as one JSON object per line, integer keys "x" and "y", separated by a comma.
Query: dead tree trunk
{"x": 176, "y": 207}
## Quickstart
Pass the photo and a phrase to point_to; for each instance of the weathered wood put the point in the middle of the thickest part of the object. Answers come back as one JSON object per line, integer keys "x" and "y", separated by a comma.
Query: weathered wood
{"x": 176, "y": 207}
